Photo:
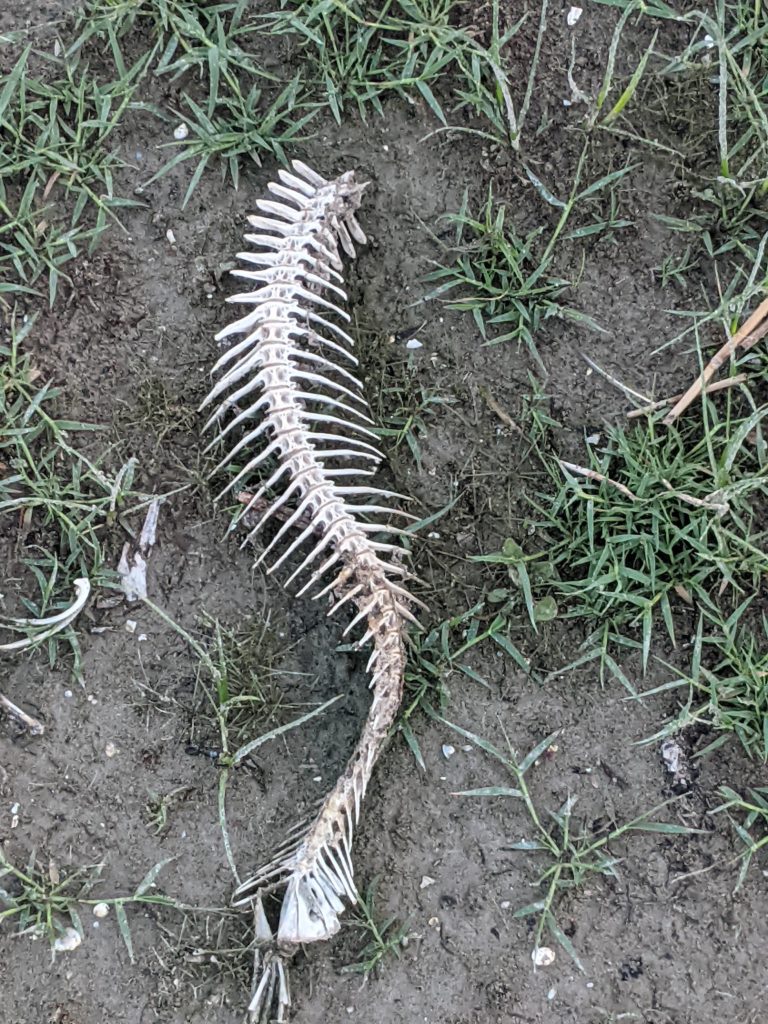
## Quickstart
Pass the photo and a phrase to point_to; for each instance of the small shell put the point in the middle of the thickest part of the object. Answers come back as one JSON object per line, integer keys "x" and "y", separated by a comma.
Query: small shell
{"x": 70, "y": 940}
{"x": 101, "y": 910}
{"x": 180, "y": 132}
{"x": 543, "y": 956}
{"x": 448, "y": 750}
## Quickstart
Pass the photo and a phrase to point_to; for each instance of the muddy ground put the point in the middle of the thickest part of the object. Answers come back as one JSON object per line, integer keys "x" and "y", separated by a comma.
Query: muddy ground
{"x": 666, "y": 942}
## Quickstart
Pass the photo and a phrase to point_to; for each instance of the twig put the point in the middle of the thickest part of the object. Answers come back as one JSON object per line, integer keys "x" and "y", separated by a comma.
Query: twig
{"x": 35, "y": 727}
{"x": 500, "y": 411}
{"x": 624, "y": 388}
{"x": 592, "y": 474}
{"x": 755, "y": 328}
{"x": 719, "y": 385}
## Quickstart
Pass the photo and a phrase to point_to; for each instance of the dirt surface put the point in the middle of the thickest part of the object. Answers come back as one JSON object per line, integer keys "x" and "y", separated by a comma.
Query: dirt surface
{"x": 666, "y": 941}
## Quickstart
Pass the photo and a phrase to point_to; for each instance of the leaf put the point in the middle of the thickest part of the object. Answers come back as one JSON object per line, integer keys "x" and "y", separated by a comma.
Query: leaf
{"x": 125, "y": 930}
{"x": 563, "y": 940}
{"x": 13, "y": 80}
{"x": 667, "y": 828}
{"x": 428, "y": 95}
{"x": 413, "y": 743}
{"x": 477, "y": 740}
{"x": 527, "y": 845}
{"x": 543, "y": 191}
{"x": 545, "y": 610}
{"x": 529, "y": 909}
{"x": 490, "y": 791}
{"x": 273, "y": 733}
{"x": 537, "y": 751}
{"x": 607, "y": 179}
{"x": 511, "y": 650}
{"x": 634, "y": 81}
{"x": 149, "y": 879}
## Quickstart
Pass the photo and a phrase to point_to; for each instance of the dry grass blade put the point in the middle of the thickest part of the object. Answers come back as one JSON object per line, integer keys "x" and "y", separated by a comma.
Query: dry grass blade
{"x": 755, "y": 328}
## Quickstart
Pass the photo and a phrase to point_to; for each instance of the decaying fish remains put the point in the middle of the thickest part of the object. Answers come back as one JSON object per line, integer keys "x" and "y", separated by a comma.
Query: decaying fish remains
{"x": 290, "y": 386}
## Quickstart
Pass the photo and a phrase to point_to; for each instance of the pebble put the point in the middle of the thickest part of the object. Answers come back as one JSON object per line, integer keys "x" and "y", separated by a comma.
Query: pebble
{"x": 101, "y": 910}
{"x": 414, "y": 343}
{"x": 110, "y": 750}
{"x": 426, "y": 881}
{"x": 573, "y": 16}
{"x": 180, "y": 132}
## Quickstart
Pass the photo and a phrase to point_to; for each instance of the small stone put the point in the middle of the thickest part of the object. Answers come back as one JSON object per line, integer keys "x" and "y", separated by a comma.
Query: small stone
{"x": 67, "y": 693}
{"x": 543, "y": 956}
{"x": 551, "y": 994}
{"x": 426, "y": 881}
{"x": 414, "y": 343}
{"x": 434, "y": 922}
{"x": 101, "y": 910}
{"x": 110, "y": 750}
{"x": 505, "y": 904}
{"x": 180, "y": 132}
{"x": 170, "y": 236}
{"x": 130, "y": 625}
{"x": 573, "y": 16}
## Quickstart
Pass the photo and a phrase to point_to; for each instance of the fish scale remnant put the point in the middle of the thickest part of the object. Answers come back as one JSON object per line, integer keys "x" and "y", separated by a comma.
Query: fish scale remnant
{"x": 290, "y": 386}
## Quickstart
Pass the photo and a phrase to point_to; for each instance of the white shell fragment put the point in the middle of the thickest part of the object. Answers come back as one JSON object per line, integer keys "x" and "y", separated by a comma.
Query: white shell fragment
{"x": 70, "y": 940}
{"x": 180, "y": 132}
{"x": 132, "y": 568}
{"x": 101, "y": 910}
{"x": 414, "y": 343}
{"x": 426, "y": 881}
{"x": 543, "y": 956}
{"x": 448, "y": 750}
{"x": 573, "y": 16}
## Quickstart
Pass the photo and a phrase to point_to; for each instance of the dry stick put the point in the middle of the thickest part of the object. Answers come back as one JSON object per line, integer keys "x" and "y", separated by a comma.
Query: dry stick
{"x": 14, "y": 711}
{"x": 755, "y": 328}
{"x": 719, "y": 385}
{"x": 592, "y": 474}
